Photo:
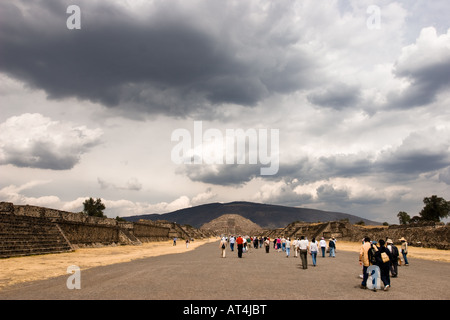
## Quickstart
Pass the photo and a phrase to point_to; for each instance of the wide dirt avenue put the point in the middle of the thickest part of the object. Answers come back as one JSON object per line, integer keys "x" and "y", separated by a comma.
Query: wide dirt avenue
{"x": 201, "y": 274}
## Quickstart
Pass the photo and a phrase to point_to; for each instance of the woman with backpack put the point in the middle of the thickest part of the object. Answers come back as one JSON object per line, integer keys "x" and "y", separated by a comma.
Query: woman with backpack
{"x": 383, "y": 256}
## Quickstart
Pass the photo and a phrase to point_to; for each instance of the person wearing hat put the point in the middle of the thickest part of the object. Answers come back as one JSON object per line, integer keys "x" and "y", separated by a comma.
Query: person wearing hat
{"x": 394, "y": 255}
{"x": 332, "y": 247}
{"x": 404, "y": 249}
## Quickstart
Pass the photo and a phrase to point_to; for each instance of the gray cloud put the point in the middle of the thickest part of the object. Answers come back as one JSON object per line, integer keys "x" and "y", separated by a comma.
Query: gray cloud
{"x": 227, "y": 174}
{"x": 445, "y": 176}
{"x": 162, "y": 61}
{"x": 132, "y": 184}
{"x": 32, "y": 140}
{"x": 419, "y": 153}
{"x": 338, "y": 96}
{"x": 426, "y": 65}
{"x": 330, "y": 194}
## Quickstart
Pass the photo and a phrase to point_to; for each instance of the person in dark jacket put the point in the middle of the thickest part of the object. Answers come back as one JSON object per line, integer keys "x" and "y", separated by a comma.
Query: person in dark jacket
{"x": 394, "y": 255}
{"x": 383, "y": 256}
{"x": 332, "y": 247}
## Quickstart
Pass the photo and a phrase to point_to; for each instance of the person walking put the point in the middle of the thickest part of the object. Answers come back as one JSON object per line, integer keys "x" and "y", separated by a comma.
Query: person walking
{"x": 365, "y": 259}
{"x": 313, "y": 249}
{"x": 240, "y": 245}
{"x": 383, "y": 261}
{"x": 323, "y": 246}
{"x": 404, "y": 249}
{"x": 332, "y": 247}
{"x": 223, "y": 246}
{"x": 248, "y": 244}
{"x": 295, "y": 247}
{"x": 394, "y": 255}
{"x": 232, "y": 241}
{"x": 288, "y": 247}
{"x": 303, "y": 246}
{"x": 267, "y": 245}
{"x": 278, "y": 244}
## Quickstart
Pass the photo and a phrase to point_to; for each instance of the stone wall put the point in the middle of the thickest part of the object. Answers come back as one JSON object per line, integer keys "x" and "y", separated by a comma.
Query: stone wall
{"x": 336, "y": 229}
{"x": 82, "y": 230}
{"x": 427, "y": 235}
{"x": 147, "y": 231}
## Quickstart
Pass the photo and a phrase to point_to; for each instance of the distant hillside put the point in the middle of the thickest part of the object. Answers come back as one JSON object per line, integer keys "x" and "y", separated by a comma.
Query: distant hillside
{"x": 265, "y": 215}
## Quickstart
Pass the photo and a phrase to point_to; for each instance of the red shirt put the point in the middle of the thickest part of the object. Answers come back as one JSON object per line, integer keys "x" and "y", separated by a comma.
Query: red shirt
{"x": 239, "y": 240}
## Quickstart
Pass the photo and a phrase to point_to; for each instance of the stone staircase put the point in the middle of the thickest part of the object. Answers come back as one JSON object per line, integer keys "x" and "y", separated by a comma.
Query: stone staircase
{"x": 24, "y": 235}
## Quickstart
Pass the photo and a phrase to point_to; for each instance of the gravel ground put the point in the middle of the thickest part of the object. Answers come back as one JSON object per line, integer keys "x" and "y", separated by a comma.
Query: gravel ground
{"x": 202, "y": 274}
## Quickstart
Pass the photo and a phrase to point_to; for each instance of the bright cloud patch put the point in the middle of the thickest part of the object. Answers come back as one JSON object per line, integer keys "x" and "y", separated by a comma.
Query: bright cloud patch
{"x": 35, "y": 141}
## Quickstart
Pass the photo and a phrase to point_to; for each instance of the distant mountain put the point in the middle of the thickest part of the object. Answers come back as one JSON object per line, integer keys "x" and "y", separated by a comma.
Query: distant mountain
{"x": 265, "y": 215}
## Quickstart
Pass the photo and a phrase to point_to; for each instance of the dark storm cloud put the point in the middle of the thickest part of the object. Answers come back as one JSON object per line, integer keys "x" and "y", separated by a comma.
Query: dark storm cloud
{"x": 337, "y": 96}
{"x": 426, "y": 84}
{"x": 330, "y": 194}
{"x": 426, "y": 66}
{"x": 155, "y": 62}
{"x": 413, "y": 163}
{"x": 307, "y": 170}
{"x": 225, "y": 175}
{"x": 421, "y": 152}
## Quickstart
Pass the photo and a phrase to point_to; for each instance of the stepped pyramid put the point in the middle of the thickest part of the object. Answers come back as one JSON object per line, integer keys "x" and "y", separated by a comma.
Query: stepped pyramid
{"x": 23, "y": 235}
{"x": 232, "y": 224}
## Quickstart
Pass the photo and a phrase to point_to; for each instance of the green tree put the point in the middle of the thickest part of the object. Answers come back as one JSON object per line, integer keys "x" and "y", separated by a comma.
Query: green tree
{"x": 94, "y": 208}
{"x": 435, "y": 208}
{"x": 403, "y": 217}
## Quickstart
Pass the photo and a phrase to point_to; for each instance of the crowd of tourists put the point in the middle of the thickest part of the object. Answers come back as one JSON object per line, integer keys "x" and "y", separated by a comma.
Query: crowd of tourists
{"x": 298, "y": 247}
{"x": 380, "y": 260}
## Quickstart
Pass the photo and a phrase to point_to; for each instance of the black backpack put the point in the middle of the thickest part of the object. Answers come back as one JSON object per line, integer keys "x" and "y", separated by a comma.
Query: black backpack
{"x": 394, "y": 252}
{"x": 372, "y": 257}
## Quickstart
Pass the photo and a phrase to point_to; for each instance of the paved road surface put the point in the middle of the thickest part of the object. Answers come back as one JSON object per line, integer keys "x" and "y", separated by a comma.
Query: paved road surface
{"x": 202, "y": 274}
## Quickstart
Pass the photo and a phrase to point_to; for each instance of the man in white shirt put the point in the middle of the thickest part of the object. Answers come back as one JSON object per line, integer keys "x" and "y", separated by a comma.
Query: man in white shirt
{"x": 323, "y": 246}
{"x": 232, "y": 241}
{"x": 303, "y": 246}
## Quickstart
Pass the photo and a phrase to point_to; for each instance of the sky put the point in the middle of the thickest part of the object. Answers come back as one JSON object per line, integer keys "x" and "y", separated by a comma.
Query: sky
{"x": 135, "y": 102}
